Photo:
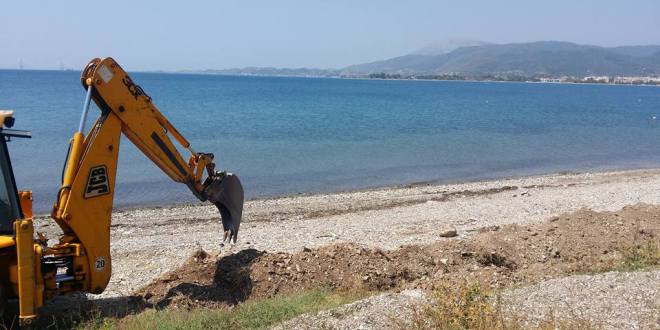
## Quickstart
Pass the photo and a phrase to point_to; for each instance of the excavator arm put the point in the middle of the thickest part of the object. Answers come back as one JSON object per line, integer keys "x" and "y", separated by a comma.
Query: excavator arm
{"x": 34, "y": 271}
{"x": 81, "y": 261}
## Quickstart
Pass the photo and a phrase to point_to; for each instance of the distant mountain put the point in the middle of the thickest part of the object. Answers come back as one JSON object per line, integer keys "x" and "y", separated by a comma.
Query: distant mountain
{"x": 534, "y": 58}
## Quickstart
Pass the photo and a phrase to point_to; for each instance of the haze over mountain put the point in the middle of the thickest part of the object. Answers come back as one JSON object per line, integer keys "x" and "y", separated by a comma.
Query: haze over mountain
{"x": 447, "y": 46}
{"x": 533, "y": 58}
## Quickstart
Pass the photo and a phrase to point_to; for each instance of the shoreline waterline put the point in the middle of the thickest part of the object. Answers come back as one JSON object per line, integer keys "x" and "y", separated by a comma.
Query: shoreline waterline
{"x": 496, "y": 181}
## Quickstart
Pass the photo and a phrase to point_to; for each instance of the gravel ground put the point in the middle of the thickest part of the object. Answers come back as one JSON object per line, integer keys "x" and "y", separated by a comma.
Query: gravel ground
{"x": 611, "y": 300}
{"x": 583, "y": 297}
{"x": 151, "y": 241}
{"x": 384, "y": 311}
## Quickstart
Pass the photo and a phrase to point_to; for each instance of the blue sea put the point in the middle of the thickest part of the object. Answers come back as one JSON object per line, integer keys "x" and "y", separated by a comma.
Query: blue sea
{"x": 294, "y": 135}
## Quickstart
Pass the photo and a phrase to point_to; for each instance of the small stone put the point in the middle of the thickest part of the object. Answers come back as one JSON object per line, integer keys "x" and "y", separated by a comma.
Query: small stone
{"x": 555, "y": 253}
{"x": 449, "y": 233}
{"x": 444, "y": 261}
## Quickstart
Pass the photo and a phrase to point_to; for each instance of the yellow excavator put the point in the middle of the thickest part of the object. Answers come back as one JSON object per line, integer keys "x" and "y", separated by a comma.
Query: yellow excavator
{"x": 31, "y": 271}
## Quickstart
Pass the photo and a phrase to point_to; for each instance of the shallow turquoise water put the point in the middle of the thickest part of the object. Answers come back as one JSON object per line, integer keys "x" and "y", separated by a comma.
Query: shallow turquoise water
{"x": 289, "y": 135}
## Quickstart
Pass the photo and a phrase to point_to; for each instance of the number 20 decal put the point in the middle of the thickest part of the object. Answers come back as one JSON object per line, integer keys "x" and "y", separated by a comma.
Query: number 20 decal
{"x": 99, "y": 264}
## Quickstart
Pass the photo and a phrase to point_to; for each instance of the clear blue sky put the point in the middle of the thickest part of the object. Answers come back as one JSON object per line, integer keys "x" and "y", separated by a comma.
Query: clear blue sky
{"x": 173, "y": 35}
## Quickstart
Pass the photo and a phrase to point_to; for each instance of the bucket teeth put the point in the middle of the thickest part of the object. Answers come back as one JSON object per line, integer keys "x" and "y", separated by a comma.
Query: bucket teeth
{"x": 226, "y": 193}
{"x": 228, "y": 236}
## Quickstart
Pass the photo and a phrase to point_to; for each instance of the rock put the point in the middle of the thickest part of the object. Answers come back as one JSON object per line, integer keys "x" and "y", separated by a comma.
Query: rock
{"x": 488, "y": 229}
{"x": 467, "y": 253}
{"x": 449, "y": 233}
{"x": 555, "y": 253}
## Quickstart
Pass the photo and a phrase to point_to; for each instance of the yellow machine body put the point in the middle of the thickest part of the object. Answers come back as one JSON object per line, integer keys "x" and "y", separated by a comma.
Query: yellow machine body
{"x": 32, "y": 271}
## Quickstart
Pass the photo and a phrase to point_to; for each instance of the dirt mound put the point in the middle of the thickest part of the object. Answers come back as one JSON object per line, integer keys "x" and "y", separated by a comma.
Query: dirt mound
{"x": 514, "y": 254}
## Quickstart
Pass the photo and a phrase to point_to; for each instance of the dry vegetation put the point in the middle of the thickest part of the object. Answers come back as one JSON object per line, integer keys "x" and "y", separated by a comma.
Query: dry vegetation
{"x": 470, "y": 306}
{"x": 251, "y": 315}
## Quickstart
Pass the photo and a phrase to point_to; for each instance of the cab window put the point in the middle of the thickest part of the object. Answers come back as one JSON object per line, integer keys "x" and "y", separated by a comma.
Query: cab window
{"x": 9, "y": 206}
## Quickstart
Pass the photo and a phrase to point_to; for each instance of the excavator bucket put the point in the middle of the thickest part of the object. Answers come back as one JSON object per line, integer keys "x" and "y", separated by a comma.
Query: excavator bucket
{"x": 226, "y": 192}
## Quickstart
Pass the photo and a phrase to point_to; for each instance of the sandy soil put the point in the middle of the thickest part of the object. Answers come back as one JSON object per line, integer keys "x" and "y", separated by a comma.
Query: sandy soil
{"x": 147, "y": 243}
{"x": 498, "y": 257}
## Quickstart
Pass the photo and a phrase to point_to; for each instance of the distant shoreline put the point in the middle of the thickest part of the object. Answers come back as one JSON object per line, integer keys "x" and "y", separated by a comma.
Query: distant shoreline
{"x": 656, "y": 84}
{"x": 406, "y": 79}
{"x": 490, "y": 81}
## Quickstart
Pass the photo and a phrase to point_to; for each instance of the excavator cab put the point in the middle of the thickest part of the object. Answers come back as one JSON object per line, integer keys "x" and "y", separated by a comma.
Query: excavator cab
{"x": 10, "y": 208}
{"x": 9, "y": 204}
